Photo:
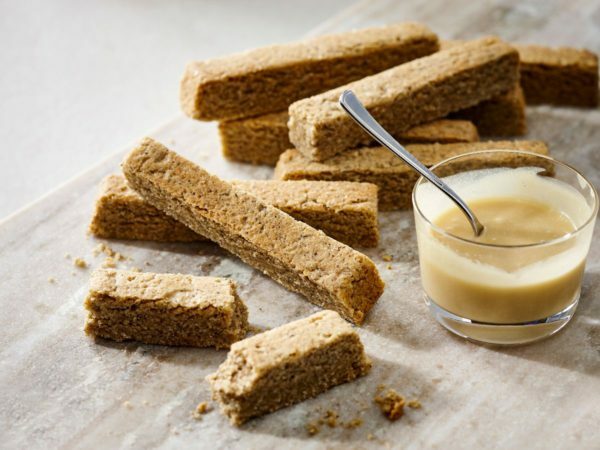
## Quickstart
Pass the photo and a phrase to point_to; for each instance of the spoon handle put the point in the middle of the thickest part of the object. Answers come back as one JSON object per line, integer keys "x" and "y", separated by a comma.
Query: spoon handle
{"x": 359, "y": 113}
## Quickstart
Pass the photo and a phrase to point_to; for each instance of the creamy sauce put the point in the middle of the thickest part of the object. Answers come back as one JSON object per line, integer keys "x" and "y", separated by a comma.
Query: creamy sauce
{"x": 506, "y": 281}
{"x": 508, "y": 221}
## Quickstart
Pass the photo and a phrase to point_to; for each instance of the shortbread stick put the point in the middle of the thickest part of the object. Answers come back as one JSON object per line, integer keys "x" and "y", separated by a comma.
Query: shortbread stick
{"x": 261, "y": 139}
{"x": 556, "y": 76}
{"x": 559, "y": 76}
{"x": 343, "y": 210}
{"x": 167, "y": 309}
{"x": 501, "y": 116}
{"x": 379, "y": 166}
{"x": 256, "y": 140}
{"x": 441, "y": 131}
{"x": 304, "y": 260}
{"x": 121, "y": 213}
{"x": 287, "y": 365}
{"x": 416, "y": 92}
{"x": 269, "y": 79}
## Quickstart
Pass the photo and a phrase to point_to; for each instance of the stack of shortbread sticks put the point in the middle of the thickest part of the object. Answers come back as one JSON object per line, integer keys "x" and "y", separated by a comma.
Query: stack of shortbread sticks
{"x": 279, "y": 106}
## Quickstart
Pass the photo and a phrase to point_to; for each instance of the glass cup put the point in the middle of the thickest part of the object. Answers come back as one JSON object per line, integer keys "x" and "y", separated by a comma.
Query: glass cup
{"x": 504, "y": 294}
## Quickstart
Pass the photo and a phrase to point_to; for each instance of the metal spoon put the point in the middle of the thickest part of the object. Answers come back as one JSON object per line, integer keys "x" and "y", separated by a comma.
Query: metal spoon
{"x": 359, "y": 113}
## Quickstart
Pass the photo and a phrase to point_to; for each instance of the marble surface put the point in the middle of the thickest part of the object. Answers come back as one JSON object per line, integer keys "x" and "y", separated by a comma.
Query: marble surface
{"x": 60, "y": 389}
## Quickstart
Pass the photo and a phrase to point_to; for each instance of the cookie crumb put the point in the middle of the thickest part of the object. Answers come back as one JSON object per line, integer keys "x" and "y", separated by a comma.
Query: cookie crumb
{"x": 255, "y": 329}
{"x": 135, "y": 269}
{"x": 147, "y": 263}
{"x": 106, "y": 250}
{"x": 67, "y": 256}
{"x": 370, "y": 436}
{"x": 389, "y": 267}
{"x": 51, "y": 280}
{"x": 201, "y": 409}
{"x": 103, "y": 248}
{"x": 391, "y": 405}
{"x": 414, "y": 404}
{"x": 354, "y": 423}
{"x": 312, "y": 429}
{"x": 109, "y": 263}
{"x": 98, "y": 249}
{"x": 387, "y": 258}
{"x": 127, "y": 404}
{"x": 80, "y": 263}
{"x": 331, "y": 418}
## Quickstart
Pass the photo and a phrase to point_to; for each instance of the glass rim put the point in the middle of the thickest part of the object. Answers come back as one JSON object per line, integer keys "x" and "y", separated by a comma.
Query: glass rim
{"x": 562, "y": 238}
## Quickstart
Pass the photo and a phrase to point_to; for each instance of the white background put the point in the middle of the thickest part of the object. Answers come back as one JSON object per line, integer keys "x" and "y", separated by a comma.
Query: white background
{"x": 80, "y": 80}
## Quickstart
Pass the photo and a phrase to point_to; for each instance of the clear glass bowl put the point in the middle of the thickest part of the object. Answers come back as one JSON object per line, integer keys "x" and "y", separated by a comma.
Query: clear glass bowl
{"x": 504, "y": 294}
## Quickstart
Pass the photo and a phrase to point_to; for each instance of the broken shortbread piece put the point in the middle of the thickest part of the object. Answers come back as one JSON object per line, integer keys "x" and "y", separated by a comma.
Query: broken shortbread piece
{"x": 166, "y": 309}
{"x": 287, "y": 365}
{"x": 268, "y": 79}
{"x": 345, "y": 211}
{"x": 391, "y": 404}
{"x": 399, "y": 98}
{"x": 328, "y": 273}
